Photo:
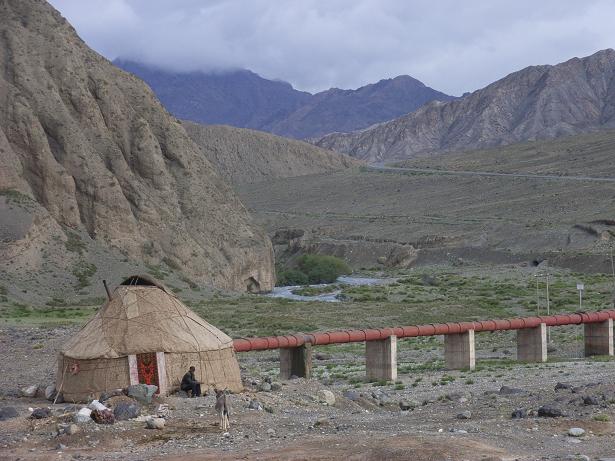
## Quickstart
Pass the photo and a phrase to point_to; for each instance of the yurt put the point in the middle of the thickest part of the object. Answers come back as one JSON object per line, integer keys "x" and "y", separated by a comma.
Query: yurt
{"x": 144, "y": 334}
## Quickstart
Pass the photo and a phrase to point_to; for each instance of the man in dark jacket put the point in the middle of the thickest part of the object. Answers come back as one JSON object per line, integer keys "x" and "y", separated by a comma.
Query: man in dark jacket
{"x": 189, "y": 383}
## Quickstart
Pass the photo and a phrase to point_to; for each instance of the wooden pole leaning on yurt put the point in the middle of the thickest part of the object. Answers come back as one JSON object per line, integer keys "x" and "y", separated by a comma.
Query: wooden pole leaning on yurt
{"x": 107, "y": 290}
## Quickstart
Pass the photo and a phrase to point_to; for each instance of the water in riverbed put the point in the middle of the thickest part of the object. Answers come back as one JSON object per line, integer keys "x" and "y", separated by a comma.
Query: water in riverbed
{"x": 287, "y": 292}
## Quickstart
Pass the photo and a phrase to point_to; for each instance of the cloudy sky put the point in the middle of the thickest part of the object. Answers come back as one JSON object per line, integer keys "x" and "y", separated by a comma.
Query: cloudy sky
{"x": 451, "y": 45}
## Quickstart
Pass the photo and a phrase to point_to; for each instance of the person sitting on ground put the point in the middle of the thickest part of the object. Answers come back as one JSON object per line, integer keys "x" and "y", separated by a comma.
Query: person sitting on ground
{"x": 189, "y": 383}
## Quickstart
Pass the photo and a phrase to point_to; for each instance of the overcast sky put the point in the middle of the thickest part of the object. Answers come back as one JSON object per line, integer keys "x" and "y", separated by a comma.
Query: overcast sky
{"x": 451, "y": 45}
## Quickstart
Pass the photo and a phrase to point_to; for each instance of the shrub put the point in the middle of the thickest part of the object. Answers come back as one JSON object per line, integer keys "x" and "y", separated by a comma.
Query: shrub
{"x": 291, "y": 277}
{"x": 322, "y": 269}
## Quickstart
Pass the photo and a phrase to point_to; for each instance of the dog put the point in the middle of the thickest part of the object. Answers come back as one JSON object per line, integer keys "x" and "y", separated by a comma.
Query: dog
{"x": 223, "y": 408}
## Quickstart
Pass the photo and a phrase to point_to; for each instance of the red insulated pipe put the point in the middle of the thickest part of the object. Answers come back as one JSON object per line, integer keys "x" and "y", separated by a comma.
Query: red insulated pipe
{"x": 375, "y": 334}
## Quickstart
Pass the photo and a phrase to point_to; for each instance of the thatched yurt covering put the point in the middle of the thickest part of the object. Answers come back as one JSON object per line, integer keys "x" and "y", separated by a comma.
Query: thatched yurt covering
{"x": 144, "y": 334}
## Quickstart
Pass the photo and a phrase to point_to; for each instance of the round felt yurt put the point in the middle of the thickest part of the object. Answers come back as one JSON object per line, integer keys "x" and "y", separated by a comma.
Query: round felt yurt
{"x": 144, "y": 334}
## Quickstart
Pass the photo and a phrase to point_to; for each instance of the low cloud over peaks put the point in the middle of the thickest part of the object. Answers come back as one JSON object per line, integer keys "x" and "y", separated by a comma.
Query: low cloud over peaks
{"x": 452, "y": 46}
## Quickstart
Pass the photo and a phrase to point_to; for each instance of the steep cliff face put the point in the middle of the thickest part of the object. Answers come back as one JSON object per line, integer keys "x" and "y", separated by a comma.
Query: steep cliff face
{"x": 540, "y": 102}
{"x": 97, "y": 152}
{"x": 245, "y": 156}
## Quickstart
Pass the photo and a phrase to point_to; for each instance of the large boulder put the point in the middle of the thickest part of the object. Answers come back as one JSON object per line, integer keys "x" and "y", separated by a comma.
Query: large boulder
{"x": 83, "y": 416}
{"x": 8, "y": 413}
{"x": 142, "y": 392}
{"x": 29, "y": 391}
{"x": 154, "y": 423}
{"x": 126, "y": 410}
{"x": 40, "y": 413}
{"x": 326, "y": 396}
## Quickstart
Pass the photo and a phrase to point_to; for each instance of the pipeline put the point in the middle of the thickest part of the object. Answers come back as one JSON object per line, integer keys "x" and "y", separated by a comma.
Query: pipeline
{"x": 433, "y": 329}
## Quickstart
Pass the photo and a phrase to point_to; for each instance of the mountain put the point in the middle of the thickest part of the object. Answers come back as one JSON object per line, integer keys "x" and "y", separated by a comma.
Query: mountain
{"x": 92, "y": 164}
{"x": 239, "y": 98}
{"x": 348, "y": 110}
{"x": 243, "y": 99}
{"x": 244, "y": 156}
{"x": 539, "y": 102}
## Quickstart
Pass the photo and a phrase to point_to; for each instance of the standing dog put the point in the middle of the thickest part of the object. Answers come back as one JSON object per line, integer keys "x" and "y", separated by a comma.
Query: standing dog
{"x": 223, "y": 408}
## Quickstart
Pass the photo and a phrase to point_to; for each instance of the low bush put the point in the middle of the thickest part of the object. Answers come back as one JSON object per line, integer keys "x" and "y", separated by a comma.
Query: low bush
{"x": 313, "y": 269}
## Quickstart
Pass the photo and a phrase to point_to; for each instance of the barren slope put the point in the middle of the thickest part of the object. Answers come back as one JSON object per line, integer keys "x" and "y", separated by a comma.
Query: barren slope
{"x": 446, "y": 215}
{"x": 97, "y": 153}
{"x": 539, "y": 102}
{"x": 244, "y": 156}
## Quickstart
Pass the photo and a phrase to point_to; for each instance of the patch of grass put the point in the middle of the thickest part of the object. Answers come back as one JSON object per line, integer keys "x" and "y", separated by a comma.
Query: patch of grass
{"x": 15, "y": 197}
{"x": 157, "y": 272}
{"x": 83, "y": 271}
{"x": 602, "y": 418}
{"x": 73, "y": 242}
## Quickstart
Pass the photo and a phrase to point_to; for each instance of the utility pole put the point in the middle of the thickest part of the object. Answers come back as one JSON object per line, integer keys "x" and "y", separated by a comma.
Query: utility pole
{"x": 580, "y": 288}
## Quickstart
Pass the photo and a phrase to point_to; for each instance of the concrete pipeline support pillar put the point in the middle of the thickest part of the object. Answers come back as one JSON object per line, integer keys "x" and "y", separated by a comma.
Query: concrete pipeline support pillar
{"x": 459, "y": 351}
{"x": 532, "y": 344}
{"x": 296, "y": 361}
{"x": 381, "y": 359}
{"x": 599, "y": 338}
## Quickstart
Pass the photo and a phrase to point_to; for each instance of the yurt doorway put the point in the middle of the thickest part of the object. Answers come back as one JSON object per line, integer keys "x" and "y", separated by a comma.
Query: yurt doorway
{"x": 147, "y": 368}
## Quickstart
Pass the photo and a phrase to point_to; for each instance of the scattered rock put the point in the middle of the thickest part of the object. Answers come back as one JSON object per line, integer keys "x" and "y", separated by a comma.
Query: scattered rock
{"x": 181, "y": 394}
{"x": 126, "y": 410}
{"x": 155, "y": 423}
{"x": 264, "y": 387}
{"x": 275, "y": 386}
{"x": 50, "y": 392}
{"x": 560, "y": 386}
{"x": 29, "y": 391}
{"x": 547, "y": 411}
{"x": 8, "y": 413}
{"x": 142, "y": 392}
{"x": 322, "y": 422}
{"x": 112, "y": 393}
{"x": 352, "y": 395}
{"x": 270, "y": 432}
{"x": 83, "y": 416}
{"x": 406, "y": 405}
{"x": 506, "y": 390}
{"x": 61, "y": 446}
{"x": 465, "y": 415}
{"x": 255, "y": 405}
{"x": 68, "y": 429}
{"x": 326, "y": 396}
{"x": 103, "y": 416}
{"x": 96, "y": 405}
{"x": 40, "y": 413}
{"x": 519, "y": 413}
{"x": 590, "y": 400}
{"x": 576, "y": 432}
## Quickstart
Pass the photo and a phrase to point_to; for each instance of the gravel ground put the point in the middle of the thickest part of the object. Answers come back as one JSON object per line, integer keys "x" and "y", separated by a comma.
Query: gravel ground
{"x": 365, "y": 422}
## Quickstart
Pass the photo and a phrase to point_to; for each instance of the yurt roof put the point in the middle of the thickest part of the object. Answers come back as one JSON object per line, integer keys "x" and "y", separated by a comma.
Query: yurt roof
{"x": 140, "y": 318}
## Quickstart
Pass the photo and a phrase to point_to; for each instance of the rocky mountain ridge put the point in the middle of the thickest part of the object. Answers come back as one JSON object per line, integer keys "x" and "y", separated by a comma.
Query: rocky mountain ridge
{"x": 245, "y": 156}
{"x": 243, "y": 99}
{"x": 86, "y": 149}
{"x": 538, "y": 102}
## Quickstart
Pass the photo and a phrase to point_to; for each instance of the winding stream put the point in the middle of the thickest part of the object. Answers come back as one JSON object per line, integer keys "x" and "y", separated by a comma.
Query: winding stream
{"x": 287, "y": 292}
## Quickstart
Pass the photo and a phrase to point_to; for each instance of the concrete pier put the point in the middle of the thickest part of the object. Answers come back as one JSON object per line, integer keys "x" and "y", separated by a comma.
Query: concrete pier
{"x": 599, "y": 338}
{"x": 381, "y": 359}
{"x": 296, "y": 361}
{"x": 459, "y": 351}
{"x": 532, "y": 344}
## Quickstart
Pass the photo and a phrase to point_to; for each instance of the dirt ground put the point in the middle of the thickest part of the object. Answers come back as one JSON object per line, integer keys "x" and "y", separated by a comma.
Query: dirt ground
{"x": 365, "y": 422}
